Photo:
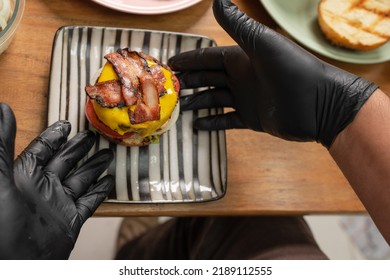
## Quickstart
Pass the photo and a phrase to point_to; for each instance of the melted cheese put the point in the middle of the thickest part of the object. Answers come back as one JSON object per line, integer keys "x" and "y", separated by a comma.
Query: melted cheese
{"x": 118, "y": 118}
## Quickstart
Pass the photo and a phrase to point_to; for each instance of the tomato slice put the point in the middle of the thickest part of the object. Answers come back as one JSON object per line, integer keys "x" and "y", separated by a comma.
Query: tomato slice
{"x": 176, "y": 83}
{"x": 99, "y": 125}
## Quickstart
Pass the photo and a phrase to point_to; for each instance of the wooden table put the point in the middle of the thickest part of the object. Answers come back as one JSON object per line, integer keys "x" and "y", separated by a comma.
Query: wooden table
{"x": 266, "y": 175}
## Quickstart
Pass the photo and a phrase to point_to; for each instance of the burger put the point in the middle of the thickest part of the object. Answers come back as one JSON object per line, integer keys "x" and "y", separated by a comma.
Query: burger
{"x": 134, "y": 99}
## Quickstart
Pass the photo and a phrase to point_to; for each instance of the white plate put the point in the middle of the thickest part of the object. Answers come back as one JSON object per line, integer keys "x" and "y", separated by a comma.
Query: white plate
{"x": 299, "y": 19}
{"x": 147, "y": 7}
{"x": 186, "y": 166}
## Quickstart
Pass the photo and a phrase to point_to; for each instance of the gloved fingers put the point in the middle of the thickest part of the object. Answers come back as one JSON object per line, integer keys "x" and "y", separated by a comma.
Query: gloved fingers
{"x": 70, "y": 153}
{"x": 202, "y": 79}
{"x": 219, "y": 122}
{"x": 78, "y": 182}
{"x": 243, "y": 29}
{"x": 88, "y": 203}
{"x": 46, "y": 145}
{"x": 7, "y": 143}
{"x": 210, "y": 98}
{"x": 212, "y": 58}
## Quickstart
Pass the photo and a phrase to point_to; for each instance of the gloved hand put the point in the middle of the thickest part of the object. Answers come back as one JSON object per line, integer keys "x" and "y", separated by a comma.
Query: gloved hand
{"x": 274, "y": 85}
{"x": 42, "y": 203}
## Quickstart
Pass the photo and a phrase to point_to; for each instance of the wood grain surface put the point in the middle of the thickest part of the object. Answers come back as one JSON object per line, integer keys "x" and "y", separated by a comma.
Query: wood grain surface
{"x": 266, "y": 175}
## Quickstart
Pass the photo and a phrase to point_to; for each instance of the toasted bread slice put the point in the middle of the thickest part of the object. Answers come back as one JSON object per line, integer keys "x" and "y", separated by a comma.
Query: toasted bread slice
{"x": 355, "y": 24}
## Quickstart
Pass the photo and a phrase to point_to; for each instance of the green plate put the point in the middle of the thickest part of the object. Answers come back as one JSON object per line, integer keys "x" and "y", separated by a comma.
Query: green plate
{"x": 299, "y": 19}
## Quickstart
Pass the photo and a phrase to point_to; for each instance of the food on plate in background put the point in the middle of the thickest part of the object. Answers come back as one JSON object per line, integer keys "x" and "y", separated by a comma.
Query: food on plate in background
{"x": 360, "y": 25}
{"x": 134, "y": 100}
{"x": 5, "y": 13}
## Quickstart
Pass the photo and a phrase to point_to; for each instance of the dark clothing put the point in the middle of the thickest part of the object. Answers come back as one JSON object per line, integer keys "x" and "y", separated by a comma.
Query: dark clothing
{"x": 226, "y": 238}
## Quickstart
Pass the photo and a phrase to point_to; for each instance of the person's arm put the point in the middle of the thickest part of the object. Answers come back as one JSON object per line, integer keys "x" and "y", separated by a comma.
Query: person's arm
{"x": 277, "y": 87}
{"x": 362, "y": 151}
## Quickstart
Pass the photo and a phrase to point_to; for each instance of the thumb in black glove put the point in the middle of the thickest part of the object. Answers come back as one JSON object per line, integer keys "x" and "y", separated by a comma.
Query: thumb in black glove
{"x": 42, "y": 203}
{"x": 274, "y": 85}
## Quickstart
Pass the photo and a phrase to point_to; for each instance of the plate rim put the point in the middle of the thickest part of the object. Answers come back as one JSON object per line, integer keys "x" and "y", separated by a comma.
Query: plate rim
{"x": 271, "y": 5}
{"x": 59, "y": 29}
{"x": 142, "y": 11}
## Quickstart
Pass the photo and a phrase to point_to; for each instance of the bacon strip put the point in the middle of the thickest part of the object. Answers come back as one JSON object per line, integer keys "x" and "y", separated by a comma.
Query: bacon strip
{"x": 150, "y": 95}
{"x": 156, "y": 72}
{"x": 107, "y": 94}
{"x": 147, "y": 108}
{"x": 128, "y": 76}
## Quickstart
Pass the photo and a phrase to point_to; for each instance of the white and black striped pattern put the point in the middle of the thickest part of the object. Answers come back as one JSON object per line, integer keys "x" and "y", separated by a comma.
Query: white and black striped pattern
{"x": 186, "y": 166}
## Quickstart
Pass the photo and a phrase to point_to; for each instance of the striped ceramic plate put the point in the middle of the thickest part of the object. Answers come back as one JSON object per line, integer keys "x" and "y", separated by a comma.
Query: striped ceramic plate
{"x": 186, "y": 166}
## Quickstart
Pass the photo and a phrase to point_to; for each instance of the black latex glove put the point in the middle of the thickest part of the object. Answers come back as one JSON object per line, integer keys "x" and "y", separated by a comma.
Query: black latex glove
{"x": 274, "y": 85}
{"x": 42, "y": 203}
